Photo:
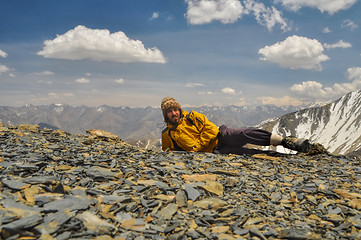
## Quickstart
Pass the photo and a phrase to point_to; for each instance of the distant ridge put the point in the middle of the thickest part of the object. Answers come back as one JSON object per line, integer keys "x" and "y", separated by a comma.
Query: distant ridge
{"x": 140, "y": 126}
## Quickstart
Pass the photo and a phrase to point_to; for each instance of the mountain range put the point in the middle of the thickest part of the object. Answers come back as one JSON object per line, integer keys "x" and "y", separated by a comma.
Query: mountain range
{"x": 138, "y": 126}
{"x": 335, "y": 125}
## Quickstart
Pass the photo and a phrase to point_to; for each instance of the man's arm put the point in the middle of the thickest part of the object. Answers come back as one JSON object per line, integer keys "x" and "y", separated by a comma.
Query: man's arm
{"x": 207, "y": 129}
{"x": 166, "y": 141}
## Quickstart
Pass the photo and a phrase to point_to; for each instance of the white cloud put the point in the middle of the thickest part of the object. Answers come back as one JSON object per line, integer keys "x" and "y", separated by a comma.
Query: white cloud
{"x": 206, "y": 93}
{"x": 330, "y": 6}
{"x": 206, "y": 11}
{"x": 230, "y": 11}
{"x": 313, "y": 91}
{"x": 354, "y": 75}
{"x": 82, "y": 80}
{"x": 228, "y": 91}
{"x": 348, "y": 24}
{"x": 192, "y": 85}
{"x": 119, "y": 80}
{"x": 45, "y": 82}
{"x": 3, "y": 54}
{"x": 282, "y": 101}
{"x": 53, "y": 95}
{"x": 44, "y": 73}
{"x": 266, "y": 16}
{"x": 241, "y": 102}
{"x": 99, "y": 45}
{"x": 58, "y": 95}
{"x": 295, "y": 53}
{"x": 339, "y": 44}
{"x": 4, "y": 69}
{"x": 326, "y": 30}
{"x": 309, "y": 90}
{"x": 68, "y": 94}
{"x": 155, "y": 15}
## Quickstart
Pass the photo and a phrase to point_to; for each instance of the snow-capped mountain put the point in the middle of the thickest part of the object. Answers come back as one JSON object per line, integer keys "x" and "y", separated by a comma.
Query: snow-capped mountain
{"x": 337, "y": 125}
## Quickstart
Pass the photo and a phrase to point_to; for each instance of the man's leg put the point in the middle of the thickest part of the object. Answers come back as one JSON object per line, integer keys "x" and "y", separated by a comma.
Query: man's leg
{"x": 276, "y": 139}
{"x": 232, "y": 140}
{"x": 240, "y": 137}
{"x": 293, "y": 143}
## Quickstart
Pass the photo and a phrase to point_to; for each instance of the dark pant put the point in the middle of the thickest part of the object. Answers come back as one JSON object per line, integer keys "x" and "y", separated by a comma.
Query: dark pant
{"x": 232, "y": 140}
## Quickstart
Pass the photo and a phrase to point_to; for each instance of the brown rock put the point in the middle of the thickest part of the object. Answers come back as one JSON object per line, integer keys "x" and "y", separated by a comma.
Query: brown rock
{"x": 93, "y": 223}
{"x": 101, "y": 134}
{"x": 29, "y": 128}
{"x": 200, "y": 177}
{"x": 213, "y": 187}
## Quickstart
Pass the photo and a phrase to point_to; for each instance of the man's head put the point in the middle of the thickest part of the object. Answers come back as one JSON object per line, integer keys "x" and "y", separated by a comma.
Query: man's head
{"x": 171, "y": 109}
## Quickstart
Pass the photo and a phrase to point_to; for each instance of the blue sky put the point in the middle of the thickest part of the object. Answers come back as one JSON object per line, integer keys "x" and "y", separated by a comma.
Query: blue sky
{"x": 215, "y": 52}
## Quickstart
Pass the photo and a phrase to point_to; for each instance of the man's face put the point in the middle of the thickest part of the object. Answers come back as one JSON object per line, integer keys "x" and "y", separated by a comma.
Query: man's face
{"x": 173, "y": 115}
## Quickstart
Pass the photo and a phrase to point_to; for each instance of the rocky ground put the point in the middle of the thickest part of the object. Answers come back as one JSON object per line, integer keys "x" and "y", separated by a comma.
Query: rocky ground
{"x": 57, "y": 185}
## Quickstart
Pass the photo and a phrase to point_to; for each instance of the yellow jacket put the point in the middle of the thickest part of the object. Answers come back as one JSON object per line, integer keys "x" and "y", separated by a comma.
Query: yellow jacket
{"x": 194, "y": 132}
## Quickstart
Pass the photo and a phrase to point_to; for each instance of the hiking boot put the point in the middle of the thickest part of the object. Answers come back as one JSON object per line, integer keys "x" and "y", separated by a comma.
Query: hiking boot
{"x": 296, "y": 144}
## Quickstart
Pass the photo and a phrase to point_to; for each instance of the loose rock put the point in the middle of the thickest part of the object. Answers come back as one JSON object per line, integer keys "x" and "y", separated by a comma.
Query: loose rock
{"x": 58, "y": 185}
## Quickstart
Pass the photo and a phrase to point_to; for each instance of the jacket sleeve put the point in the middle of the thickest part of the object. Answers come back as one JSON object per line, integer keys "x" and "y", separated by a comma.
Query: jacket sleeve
{"x": 166, "y": 141}
{"x": 208, "y": 131}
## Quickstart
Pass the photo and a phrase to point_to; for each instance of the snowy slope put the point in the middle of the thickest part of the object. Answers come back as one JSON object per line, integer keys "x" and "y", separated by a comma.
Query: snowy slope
{"x": 337, "y": 125}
